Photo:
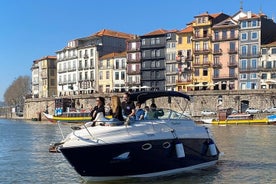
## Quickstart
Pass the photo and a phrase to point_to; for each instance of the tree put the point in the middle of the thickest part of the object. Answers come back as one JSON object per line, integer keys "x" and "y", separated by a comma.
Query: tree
{"x": 16, "y": 92}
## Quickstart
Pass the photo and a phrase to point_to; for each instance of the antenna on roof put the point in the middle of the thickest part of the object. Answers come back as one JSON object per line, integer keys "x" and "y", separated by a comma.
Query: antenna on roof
{"x": 241, "y": 8}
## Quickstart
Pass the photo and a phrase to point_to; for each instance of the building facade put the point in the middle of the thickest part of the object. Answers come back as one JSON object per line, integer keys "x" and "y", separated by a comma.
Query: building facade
{"x": 44, "y": 79}
{"x": 78, "y": 71}
{"x": 133, "y": 63}
{"x": 112, "y": 73}
{"x": 268, "y": 66}
{"x": 184, "y": 58}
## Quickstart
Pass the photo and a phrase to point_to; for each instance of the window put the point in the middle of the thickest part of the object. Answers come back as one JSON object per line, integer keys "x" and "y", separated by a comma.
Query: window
{"x": 108, "y": 63}
{"x": 224, "y": 34}
{"x": 117, "y": 64}
{"x": 244, "y": 36}
{"x": 269, "y": 64}
{"x": 196, "y": 72}
{"x": 189, "y": 38}
{"x": 264, "y": 76}
{"x": 117, "y": 76}
{"x": 157, "y": 41}
{"x": 107, "y": 75}
{"x": 232, "y": 46}
{"x": 157, "y": 64}
{"x": 232, "y": 72}
{"x": 179, "y": 40}
{"x": 158, "y": 53}
{"x": 273, "y": 51}
{"x": 264, "y": 51}
{"x": 152, "y": 41}
{"x": 244, "y": 50}
{"x": 243, "y": 64}
{"x": 143, "y": 41}
{"x": 205, "y": 71}
{"x": 243, "y": 76}
{"x": 216, "y": 35}
{"x": 153, "y": 64}
{"x": 197, "y": 46}
{"x": 153, "y": 53}
{"x": 205, "y": 46}
{"x": 254, "y": 23}
{"x": 254, "y": 35}
{"x": 216, "y": 47}
{"x": 254, "y": 63}
{"x": 216, "y": 73}
{"x": 254, "y": 49}
{"x": 123, "y": 75}
{"x": 253, "y": 76}
{"x": 101, "y": 75}
{"x": 243, "y": 24}
{"x": 232, "y": 33}
{"x": 143, "y": 54}
{"x": 273, "y": 76}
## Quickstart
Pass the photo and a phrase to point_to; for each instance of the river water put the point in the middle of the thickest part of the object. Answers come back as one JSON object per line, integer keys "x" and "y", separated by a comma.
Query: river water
{"x": 249, "y": 156}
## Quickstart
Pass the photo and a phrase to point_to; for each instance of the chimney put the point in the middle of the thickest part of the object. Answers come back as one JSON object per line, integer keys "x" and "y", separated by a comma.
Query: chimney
{"x": 249, "y": 14}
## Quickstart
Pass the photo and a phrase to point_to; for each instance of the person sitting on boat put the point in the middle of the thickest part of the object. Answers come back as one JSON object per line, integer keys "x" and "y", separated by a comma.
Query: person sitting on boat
{"x": 139, "y": 112}
{"x": 146, "y": 111}
{"x": 154, "y": 113}
{"x": 98, "y": 110}
{"x": 115, "y": 112}
{"x": 128, "y": 107}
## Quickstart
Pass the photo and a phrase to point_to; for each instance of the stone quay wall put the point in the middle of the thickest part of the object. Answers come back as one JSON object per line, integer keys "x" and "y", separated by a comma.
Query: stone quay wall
{"x": 201, "y": 100}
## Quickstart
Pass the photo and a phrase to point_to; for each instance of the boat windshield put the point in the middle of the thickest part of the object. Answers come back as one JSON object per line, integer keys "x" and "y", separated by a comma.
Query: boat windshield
{"x": 171, "y": 114}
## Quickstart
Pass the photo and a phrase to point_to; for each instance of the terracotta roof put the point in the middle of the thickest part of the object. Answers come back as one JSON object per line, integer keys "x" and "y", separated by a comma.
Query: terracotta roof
{"x": 214, "y": 15}
{"x": 47, "y": 57}
{"x": 188, "y": 29}
{"x": 157, "y": 32}
{"x": 113, "y": 55}
{"x": 106, "y": 32}
{"x": 272, "y": 44}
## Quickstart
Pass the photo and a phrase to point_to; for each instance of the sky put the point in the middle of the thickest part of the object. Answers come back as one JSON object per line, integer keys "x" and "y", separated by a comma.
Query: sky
{"x": 32, "y": 29}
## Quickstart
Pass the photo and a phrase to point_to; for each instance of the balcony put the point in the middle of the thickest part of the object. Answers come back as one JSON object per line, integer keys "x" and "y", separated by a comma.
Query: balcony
{"x": 198, "y": 37}
{"x": 248, "y": 69}
{"x": 204, "y": 64}
{"x": 225, "y": 77}
{"x": 217, "y": 65}
{"x": 249, "y": 55}
{"x": 204, "y": 51}
{"x": 232, "y": 51}
{"x": 225, "y": 38}
{"x": 133, "y": 72}
{"x": 232, "y": 64}
{"x": 217, "y": 52}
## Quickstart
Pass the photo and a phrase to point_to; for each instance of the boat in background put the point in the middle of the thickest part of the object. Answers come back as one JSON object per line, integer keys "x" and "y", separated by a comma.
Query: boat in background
{"x": 69, "y": 117}
{"x": 271, "y": 119}
{"x": 237, "y": 119}
{"x": 171, "y": 144}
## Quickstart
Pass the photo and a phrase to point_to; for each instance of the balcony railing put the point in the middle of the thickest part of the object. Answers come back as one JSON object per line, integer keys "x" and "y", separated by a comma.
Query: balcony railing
{"x": 249, "y": 55}
{"x": 225, "y": 76}
{"x": 232, "y": 64}
{"x": 248, "y": 69}
{"x": 217, "y": 65}
{"x": 203, "y": 51}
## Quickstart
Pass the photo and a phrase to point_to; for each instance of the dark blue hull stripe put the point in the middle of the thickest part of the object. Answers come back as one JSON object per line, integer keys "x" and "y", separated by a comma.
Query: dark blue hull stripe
{"x": 136, "y": 158}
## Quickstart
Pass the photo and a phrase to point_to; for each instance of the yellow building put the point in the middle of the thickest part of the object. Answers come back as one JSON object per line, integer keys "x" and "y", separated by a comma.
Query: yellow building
{"x": 112, "y": 72}
{"x": 184, "y": 58}
{"x": 202, "y": 49}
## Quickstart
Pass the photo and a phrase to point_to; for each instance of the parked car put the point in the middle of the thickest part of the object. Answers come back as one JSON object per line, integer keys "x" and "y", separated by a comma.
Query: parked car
{"x": 252, "y": 110}
{"x": 208, "y": 113}
{"x": 270, "y": 110}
